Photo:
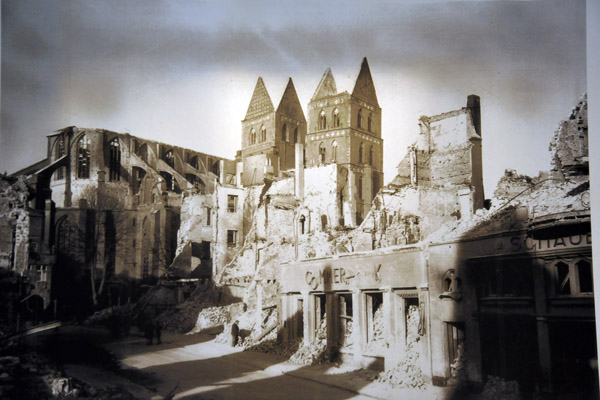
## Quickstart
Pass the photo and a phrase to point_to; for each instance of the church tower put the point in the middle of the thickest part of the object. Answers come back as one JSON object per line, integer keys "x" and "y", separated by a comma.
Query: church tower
{"x": 269, "y": 135}
{"x": 345, "y": 129}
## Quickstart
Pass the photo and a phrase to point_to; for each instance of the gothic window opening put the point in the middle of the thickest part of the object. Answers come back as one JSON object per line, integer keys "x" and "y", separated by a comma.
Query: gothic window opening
{"x": 284, "y": 133}
{"x": 322, "y": 120}
{"x": 168, "y": 180}
{"x": 263, "y": 133}
{"x": 369, "y": 122}
{"x": 336, "y": 118}
{"x": 371, "y": 155}
{"x": 361, "y": 149}
{"x": 360, "y": 188}
{"x": 253, "y": 136}
{"x": 194, "y": 162}
{"x": 115, "y": 160}
{"x": 359, "y": 118}
{"x": 169, "y": 158}
{"x": 83, "y": 157}
{"x": 296, "y": 135}
{"x": 302, "y": 224}
{"x": 322, "y": 153}
{"x": 138, "y": 177}
{"x": 334, "y": 147}
{"x": 451, "y": 286}
{"x": 60, "y": 151}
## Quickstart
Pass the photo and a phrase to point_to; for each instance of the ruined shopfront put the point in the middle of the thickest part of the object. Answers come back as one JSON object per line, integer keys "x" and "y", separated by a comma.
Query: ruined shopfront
{"x": 371, "y": 307}
{"x": 518, "y": 305}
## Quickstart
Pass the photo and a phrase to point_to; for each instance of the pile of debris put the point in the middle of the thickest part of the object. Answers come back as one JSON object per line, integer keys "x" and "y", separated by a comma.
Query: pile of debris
{"x": 211, "y": 317}
{"x": 31, "y": 376}
{"x": 497, "y": 388}
{"x": 407, "y": 373}
{"x": 458, "y": 371}
{"x": 315, "y": 351}
{"x": 376, "y": 345}
{"x": 184, "y": 317}
{"x": 117, "y": 319}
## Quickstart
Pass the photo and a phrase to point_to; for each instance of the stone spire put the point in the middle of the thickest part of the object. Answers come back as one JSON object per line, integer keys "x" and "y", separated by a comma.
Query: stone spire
{"x": 261, "y": 102}
{"x": 364, "y": 88}
{"x": 326, "y": 87}
{"x": 289, "y": 104}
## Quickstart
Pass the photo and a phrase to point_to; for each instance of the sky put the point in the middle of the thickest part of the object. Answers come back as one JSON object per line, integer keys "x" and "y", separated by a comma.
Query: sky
{"x": 183, "y": 72}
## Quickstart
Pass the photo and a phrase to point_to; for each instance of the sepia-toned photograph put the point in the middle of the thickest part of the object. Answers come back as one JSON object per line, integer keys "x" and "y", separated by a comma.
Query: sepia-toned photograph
{"x": 296, "y": 200}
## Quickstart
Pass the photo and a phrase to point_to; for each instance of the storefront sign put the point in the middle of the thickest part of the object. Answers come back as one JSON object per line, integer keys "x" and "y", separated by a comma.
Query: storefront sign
{"x": 518, "y": 243}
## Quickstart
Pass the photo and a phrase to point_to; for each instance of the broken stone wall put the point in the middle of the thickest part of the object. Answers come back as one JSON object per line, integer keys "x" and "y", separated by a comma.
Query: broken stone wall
{"x": 14, "y": 224}
{"x": 570, "y": 143}
{"x": 321, "y": 200}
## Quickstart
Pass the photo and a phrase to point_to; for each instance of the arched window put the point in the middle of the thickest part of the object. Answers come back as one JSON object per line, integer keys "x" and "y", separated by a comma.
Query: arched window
{"x": 168, "y": 179}
{"x": 296, "y": 135}
{"x": 360, "y": 152}
{"x": 268, "y": 162}
{"x": 302, "y": 223}
{"x": 322, "y": 153}
{"x": 114, "y": 163}
{"x": 141, "y": 151}
{"x": 83, "y": 157}
{"x": 359, "y": 118}
{"x": 322, "y": 120}
{"x": 59, "y": 152}
{"x": 284, "y": 133}
{"x": 263, "y": 133}
{"x": 371, "y": 155}
{"x": 334, "y": 147}
{"x": 369, "y": 121}
{"x": 336, "y": 118}
{"x": 169, "y": 158}
{"x": 252, "y": 136}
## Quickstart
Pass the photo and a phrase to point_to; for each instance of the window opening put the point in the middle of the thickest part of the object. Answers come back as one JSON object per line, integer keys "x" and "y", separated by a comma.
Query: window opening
{"x": 336, "y": 118}
{"x": 284, "y": 133}
{"x": 232, "y": 203}
{"x": 169, "y": 158}
{"x": 207, "y": 212}
{"x": 231, "y": 238}
{"x": 359, "y": 118}
{"x": 302, "y": 222}
{"x": 322, "y": 120}
{"x": 345, "y": 303}
{"x": 296, "y": 135}
{"x": 322, "y": 153}
{"x": 60, "y": 151}
{"x": 83, "y": 157}
{"x": 371, "y": 155}
{"x": 360, "y": 152}
{"x": 263, "y": 133}
{"x": 334, "y": 146}
{"x": 115, "y": 160}
{"x": 374, "y": 323}
{"x": 369, "y": 120}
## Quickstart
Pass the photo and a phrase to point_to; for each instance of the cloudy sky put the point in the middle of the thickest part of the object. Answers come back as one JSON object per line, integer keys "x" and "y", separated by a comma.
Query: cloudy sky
{"x": 183, "y": 72}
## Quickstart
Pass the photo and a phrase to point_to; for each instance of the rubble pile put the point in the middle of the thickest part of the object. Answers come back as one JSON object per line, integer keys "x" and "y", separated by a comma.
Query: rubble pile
{"x": 458, "y": 371}
{"x": 31, "y": 376}
{"x": 211, "y": 317}
{"x": 184, "y": 317}
{"x": 377, "y": 343}
{"x": 407, "y": 373}
{"x": 117, "y": 319}
{"x": 497, "y": 388}
{"x": 314, "y": 352}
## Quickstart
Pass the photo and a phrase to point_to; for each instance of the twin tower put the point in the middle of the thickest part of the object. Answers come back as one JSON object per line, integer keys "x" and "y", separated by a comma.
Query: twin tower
{"x": 342, "y": 128}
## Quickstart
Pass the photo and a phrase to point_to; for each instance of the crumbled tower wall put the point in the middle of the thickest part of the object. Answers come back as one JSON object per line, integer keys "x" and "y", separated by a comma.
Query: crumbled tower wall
{"x": 570, "y": 143}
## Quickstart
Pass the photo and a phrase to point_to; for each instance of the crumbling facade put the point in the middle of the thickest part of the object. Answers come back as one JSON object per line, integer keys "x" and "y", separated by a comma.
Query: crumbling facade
{"x": 497, "y": 290}
{"x": 116, "y": 201}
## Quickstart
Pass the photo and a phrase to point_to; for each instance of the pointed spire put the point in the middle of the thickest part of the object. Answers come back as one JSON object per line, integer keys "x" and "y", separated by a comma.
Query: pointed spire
{"x": 261, "y": 102}
{"x": 289, "y": 104}
{"x": 364, "y": 88}
{"x": 326, "y": 87}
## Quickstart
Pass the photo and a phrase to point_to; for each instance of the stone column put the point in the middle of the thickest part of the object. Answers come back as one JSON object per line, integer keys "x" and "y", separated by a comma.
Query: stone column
{"x": 308, "y": 316}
